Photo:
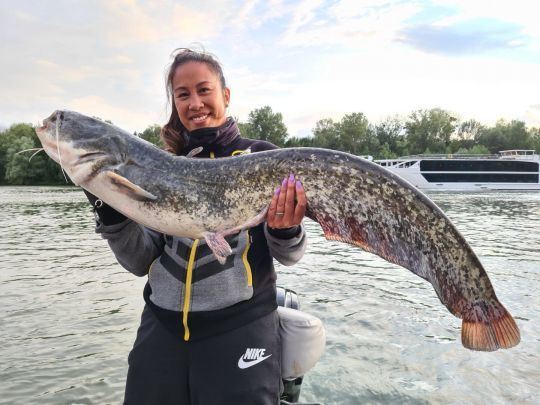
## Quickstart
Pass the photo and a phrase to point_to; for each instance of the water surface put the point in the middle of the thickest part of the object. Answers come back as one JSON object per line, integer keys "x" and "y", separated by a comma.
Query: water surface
{"x": 70, "y": 312}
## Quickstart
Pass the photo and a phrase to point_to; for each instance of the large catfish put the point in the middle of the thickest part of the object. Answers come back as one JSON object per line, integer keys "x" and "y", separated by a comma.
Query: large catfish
{"x": 354, "y": 201}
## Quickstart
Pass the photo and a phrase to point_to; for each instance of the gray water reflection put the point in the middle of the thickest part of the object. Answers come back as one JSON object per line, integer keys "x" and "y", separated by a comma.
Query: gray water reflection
{"x": 70, "y": 313}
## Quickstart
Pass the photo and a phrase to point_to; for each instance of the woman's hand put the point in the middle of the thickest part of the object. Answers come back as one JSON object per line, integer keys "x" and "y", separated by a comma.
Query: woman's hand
{"x": 288, "y": 205}
{"x": 106, "y": 214}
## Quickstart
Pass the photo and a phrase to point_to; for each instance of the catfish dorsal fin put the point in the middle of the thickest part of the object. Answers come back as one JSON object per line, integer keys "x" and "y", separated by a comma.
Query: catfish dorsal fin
{"x": 127, "y": 187}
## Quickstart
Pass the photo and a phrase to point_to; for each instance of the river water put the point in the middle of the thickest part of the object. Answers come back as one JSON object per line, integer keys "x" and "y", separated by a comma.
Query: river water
{"x": 70, "y": 312}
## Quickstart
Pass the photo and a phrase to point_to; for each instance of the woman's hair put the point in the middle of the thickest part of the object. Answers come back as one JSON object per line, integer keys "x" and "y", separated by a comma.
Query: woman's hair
{"x": 171, "y": 133}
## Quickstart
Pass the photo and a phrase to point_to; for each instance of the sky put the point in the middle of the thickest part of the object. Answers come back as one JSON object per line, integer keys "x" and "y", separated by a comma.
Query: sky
{"x": 309, "y": 60}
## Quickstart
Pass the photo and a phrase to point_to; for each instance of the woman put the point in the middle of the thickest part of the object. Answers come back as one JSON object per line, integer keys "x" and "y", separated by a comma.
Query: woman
{"x": 209, "y": 332}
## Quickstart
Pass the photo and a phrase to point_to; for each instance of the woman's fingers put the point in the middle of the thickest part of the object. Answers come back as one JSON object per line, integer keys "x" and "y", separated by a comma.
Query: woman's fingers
{"x": 274, "y": 217}
{"x": 288, "y": 205}
{"x": 288, "y": 211}
{"x": 270, "y": 216}
{"x": 280, "y": 208}
{"x": 301, "y": 203}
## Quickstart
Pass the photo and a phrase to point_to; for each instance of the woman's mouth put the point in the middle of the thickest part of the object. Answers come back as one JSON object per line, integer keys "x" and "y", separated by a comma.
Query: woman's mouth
{"x": 199, "y": 118}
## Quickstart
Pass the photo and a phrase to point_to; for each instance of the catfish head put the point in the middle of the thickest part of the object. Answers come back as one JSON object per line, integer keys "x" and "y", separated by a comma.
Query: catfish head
{"x": 81, "y": 145}
{"x": 93, "y": 153}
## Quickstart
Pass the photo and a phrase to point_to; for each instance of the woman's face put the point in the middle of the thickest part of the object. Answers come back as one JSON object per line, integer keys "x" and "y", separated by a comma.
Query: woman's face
{"x": 198, "y": 96}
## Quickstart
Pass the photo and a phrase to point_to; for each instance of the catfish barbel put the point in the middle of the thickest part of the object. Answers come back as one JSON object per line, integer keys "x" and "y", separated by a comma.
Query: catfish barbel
{"x": 354, "y": 201}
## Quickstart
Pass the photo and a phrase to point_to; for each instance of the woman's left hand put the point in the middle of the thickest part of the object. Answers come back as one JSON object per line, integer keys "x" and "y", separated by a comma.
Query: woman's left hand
{"x": 288, "y": 205}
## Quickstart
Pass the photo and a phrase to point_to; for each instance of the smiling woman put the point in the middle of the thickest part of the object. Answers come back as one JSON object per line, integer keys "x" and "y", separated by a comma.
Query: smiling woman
{"x": 205, "y": 315}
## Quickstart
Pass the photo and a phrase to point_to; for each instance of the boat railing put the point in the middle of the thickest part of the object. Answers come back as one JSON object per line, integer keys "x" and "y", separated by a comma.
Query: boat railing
{"x": 509, "y": 154}
{"x": 521, "y": 154}
{"x": 449, "y": 156}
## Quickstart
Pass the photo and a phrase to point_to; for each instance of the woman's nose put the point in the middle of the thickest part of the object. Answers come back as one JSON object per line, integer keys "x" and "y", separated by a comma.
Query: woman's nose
{"x": 196, "y": 104}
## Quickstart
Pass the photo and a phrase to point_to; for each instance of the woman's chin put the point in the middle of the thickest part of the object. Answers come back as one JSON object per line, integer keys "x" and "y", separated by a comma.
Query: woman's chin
{"x": 199, "y": 125}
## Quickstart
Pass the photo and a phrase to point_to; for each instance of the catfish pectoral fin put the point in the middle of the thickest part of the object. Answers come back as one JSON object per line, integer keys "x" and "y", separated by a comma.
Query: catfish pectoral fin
{"x": 194, "y": 152}
{"x": 127, "y": 187}
{"x": 218, "y": 245}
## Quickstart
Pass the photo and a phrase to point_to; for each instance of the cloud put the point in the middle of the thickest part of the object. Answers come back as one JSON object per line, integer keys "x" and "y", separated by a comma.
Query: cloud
{"x": 518, "y": 12}
{"x": 253, "y": 14}
{"x": 470, "y": 37}
{"x": 122, "y": 116}
{"x": 250, "y": 90}
{"x": 347, "y": 23}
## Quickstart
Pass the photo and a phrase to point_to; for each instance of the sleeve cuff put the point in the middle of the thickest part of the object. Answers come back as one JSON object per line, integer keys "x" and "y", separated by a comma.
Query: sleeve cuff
{"x": 109, "y": 216}
{"x": 286, "y": 233}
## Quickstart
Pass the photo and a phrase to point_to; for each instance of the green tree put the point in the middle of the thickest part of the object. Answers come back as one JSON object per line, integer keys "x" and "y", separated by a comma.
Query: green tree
{"x": 474, "y": 150}
{"x": 469, "y": 130}
{"x": 505, "y": 135}
{"x": 243, "y": 127}
{"x": 151, "y": 134}
{"x": 356, "y": 136}
{"x": 390, "y": 135}
{"x": 430, "y": 130}
{"x": 17, "y": 168}
{"x": 294, "y": 142}
{"x": 326, "y": 135}
{"x": 466, "y": 135}
{"x": 385, "y": 152}
{"x": 517, "y": 135}
{"x": 264, "y": 124}
{"x": 535, "y": 139}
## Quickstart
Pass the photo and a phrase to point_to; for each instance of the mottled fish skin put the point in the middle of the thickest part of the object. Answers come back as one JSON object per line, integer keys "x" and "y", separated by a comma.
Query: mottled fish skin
{"x": 354, "y": 201}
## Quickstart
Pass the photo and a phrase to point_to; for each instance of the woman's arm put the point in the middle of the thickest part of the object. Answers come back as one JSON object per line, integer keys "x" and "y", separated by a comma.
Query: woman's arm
{"x": 134, "y": 245}
{"x": 287, "y": 246}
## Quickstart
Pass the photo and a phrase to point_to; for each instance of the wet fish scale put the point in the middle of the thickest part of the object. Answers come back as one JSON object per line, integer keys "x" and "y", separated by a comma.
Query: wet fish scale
{"x": 354, "y": 201}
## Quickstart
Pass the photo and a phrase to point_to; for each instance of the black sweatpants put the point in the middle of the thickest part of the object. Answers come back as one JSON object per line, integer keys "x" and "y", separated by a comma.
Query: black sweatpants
{"x": 239, "y": 367}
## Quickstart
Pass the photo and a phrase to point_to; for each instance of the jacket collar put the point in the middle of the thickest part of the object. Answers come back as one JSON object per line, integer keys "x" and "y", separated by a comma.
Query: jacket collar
{"x": 212, "y": 137}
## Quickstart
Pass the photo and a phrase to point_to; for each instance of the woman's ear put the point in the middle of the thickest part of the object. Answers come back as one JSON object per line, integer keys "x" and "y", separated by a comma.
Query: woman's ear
{"x": 227, "y": 96}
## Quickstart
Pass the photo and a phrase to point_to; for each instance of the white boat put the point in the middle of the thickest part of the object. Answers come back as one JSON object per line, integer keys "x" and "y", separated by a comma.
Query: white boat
{"x": 515, "y": 169}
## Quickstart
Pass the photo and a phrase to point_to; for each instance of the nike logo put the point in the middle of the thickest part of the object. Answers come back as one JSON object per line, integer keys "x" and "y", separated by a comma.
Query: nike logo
{"x": 252, "y": 357}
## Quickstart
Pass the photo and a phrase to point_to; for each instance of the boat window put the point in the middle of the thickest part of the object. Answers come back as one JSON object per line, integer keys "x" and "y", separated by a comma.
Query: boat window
{"x": 478, "y": 166}
{"x": 481, "y": 177}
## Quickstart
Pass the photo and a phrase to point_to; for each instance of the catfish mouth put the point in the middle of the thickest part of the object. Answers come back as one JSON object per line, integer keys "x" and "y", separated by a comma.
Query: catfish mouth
{"x": 49, "y": 137}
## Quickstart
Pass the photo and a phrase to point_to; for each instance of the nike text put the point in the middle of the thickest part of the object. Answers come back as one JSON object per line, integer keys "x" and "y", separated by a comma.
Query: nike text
{"x": 252, "y": 357}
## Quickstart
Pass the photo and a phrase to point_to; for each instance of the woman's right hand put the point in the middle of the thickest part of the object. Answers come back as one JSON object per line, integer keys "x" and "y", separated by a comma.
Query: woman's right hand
{"x": 107, "y": 215}
{"x": 288, "y": 205}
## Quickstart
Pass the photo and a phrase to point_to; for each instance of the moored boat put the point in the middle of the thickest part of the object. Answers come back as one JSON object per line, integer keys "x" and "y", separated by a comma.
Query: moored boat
{"x": 516, "y": 169}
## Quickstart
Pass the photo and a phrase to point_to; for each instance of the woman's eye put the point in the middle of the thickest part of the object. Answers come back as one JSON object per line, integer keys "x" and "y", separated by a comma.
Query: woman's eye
{"x": 181, "y": 95}
{"x": 204, "y": 90}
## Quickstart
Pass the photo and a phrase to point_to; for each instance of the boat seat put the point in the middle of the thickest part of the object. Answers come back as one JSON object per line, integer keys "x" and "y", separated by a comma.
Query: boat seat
{"x": 303, "y": 340}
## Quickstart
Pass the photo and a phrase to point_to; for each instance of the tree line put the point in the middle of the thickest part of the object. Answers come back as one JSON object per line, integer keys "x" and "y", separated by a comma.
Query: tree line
{"x": 422, "y": 132}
